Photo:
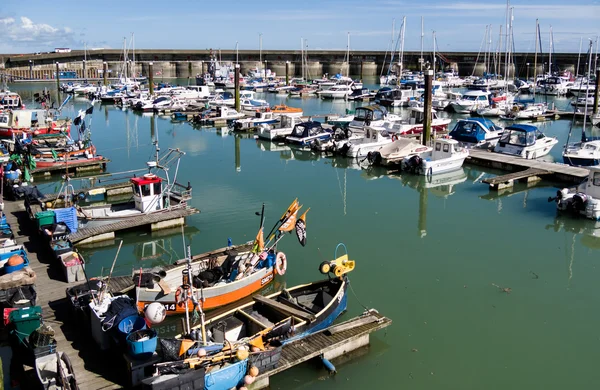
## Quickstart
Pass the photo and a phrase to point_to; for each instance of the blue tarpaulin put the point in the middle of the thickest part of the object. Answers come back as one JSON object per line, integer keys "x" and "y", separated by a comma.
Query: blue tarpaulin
{"x": 68, "y": 216}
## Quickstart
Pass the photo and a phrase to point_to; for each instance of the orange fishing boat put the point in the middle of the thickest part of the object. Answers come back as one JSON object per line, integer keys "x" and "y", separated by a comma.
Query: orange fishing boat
{"x": 282, "y": 109}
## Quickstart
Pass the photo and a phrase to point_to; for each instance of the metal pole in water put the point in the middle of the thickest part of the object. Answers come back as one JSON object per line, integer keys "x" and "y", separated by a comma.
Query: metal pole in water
{"x": 287, "y": 73}
{"x": 596, "y": 91}
{"x": 422, "y": 212}
{"x": 237, "y": 87}
{"x": 362, "y": 65}
{"x": 84, "y": 70}
{"x": 151, "y": 77}
{"x": 57, "y": 83}
{"x": 30, "y": 70}
{"x": 427, "y": 107}
{"x": 105, "y": 72}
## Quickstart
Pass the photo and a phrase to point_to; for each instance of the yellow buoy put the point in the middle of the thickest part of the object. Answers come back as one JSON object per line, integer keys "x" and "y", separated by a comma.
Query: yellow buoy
{"x": 242, "y": 354}
{"x": 253, "y": 371}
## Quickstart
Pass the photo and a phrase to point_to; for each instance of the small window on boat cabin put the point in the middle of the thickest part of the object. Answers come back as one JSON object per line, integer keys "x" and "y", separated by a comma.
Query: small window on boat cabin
{"x": 3, "y": 119}
{"x": 146, "y": 190}
{"x": 590, "y": 147}
{"x": 446, "y": 148}
{"x": 596, "y": 179}
{"x": 157, "y": 189}
{"x": 482, "y": 97}
{"x": 438, "y": 146}
{"x": 136, "y": 189}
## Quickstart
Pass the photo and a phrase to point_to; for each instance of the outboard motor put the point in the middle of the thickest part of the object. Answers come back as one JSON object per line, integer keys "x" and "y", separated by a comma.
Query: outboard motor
{"x": 413, "y": 164}
{"x": 578, "y": 202}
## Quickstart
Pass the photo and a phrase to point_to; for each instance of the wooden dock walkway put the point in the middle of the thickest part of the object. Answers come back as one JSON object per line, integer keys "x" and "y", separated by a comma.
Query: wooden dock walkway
{"x": 529, "y": 175}
{"x": 86, "y": 233}
{"x": 330, "y": 343}
{"x": 558, "y": 172}
{"x": 90, "y": 366}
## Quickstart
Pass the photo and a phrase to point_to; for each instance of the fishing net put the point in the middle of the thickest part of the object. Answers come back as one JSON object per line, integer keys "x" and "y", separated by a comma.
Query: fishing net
{"x": 170, "y": 349}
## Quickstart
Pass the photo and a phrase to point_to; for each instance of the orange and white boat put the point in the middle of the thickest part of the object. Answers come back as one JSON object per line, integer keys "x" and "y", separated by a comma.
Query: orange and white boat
{"x": 282, "y": 109}
{"x": 222, "y": 276}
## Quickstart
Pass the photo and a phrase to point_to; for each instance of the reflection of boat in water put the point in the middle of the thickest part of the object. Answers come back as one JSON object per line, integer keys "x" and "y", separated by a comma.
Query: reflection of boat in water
{"x": 588, "y": 229}
{"x": 442, "y": 185}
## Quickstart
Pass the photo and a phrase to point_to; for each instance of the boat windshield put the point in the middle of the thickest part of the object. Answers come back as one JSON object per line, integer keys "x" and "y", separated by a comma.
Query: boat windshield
{"x": 518, "y": 137}
{"x": 590, "y": 147}
{"x": 160, "y": 99}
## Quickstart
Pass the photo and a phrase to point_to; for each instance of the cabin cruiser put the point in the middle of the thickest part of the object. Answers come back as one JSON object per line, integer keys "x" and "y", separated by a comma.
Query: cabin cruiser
{"x": 11, "y": 101}
{"x": 85, "y": 89}
{"x": 282, "y": 109}
{"x": 529, "y": 111}
{"x": 373, "y": 139}
{"x": 414, "y": 123}
{"x": 306, "y": 133}
{"x": 373, "y": 115}
{"x": 582, "y": 154}
{"x": 219, "y": 113}
{"x": 525, "y": 141}
{"x": 361, "y": 94}
{"x": 396, "y": 151}
{"x": 446, "y": 156}
{"x": 253, "y": 105}
{"x": 470, "y": 101}
{"x": 554, "y": 85}
{"x": 397, "y": 97}
{"x": 585, "y": 200}
{"x": 303, "y": 91}
{"x": 160, "y": 103}
{"x": 260, "y": 118}
{"x": 339, "y": 91}
{"x": 279, "y": 130}
{"x": 192, "y": 92}
{"x": 582, "y": 90}
{"x": 476, "y": 132}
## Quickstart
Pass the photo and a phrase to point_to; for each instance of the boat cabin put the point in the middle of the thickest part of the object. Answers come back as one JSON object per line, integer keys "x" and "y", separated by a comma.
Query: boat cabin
{"x": 266, "y": 115}
{"x": 147, "y": 193}
{"x": 444, "y": 148}
{"x": 592, "y": 186}
{"x": 416, "y": 115}
{"x": 11, "y": 101}
{"x": 24, "y": 119}
{"x": 306, "y": 129}
{"x": 373, "y": 134}
{"x": 473, "y": 130}
{"x": 369, "y": 114}
{"x": 520, "y": 135}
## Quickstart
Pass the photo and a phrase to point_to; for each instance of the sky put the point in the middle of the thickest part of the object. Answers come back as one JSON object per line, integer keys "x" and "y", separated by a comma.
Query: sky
{"x": 459, "y": 25}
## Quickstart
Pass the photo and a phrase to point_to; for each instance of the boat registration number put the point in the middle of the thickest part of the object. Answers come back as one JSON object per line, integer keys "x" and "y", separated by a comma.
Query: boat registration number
{"x": 266, "y": 279}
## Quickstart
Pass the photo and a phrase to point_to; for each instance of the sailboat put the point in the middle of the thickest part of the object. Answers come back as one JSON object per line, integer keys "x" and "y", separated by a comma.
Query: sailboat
{"x": 587, "y": 152}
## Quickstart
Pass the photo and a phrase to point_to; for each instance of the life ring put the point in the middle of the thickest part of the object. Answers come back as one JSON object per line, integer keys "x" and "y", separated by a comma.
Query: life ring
{"x": 179, "y": 299}
{"x": 149, "y": 176}
{"x": 280, "y": 263}
{"x": 394, "y": 137}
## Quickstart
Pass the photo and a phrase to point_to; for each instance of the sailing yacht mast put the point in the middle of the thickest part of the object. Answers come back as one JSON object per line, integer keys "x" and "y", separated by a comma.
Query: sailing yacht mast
{"x": 421, "y": 61}
{"x": 402, "y": 46}
{"x": 348, "y": 57}
{"x": 537, "y": 26}
{"x": 434, "y": 52}
{"x": 579, "y": 56}
{"x": 550, "y": 53}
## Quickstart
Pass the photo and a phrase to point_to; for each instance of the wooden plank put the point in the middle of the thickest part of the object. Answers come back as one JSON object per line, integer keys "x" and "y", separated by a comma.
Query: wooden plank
{"x": 287, "y": 309}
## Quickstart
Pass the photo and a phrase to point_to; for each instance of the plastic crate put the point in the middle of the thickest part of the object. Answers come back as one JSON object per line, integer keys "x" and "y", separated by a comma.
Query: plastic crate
{"x": 6, "y": 313}
{"x": 266, "y": 360}
{"x": 25, "y": 321}
{"x": 45, "y": 218}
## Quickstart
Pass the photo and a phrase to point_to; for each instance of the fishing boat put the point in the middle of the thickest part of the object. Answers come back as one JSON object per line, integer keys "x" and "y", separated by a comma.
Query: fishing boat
{"x": 282, "y": 109}
{"x": 398, "y": 150}
{"x": 260, "y": 118}
{"x": 279, "y": 130}
{"x": 525, "y": 141}
{"x": 446, "y": 156}
{"x": 222, "y": 276}
{"x": 265, "y": 324}
{"x": 35, "y": 122}
{"x": 476, "y": 132}
{"x": 470, "y": 101}
{"x": 584, "y": 200}
{"x": 306, "y": 133}
{"x": 11, "y": 101}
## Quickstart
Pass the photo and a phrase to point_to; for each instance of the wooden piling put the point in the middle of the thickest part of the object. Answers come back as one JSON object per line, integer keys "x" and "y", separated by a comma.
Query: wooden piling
{"x": 427, "y": 107}
{"x": 189, "y": 69}
{"x": 362, "y": 66}
{"x": 105, "y": 72}
{"x": 237, "y": 87}
{"x": 151, "y": 77}
{"x": 287, "y": 73}
{"x": 30, "y": 70}
{"x": 596, "y": 91}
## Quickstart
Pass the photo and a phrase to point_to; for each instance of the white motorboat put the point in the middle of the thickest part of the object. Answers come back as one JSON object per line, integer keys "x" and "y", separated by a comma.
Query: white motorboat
{"x": 585, "y": 200}
{"x": 476, "y": 132}
{"x": 279, "y": 130}
{"x": 583, "y": 154}
{"x": 372, "y": 140}
{"x": 159, "y": 103}
{"x": 447, "y": 155}
{"x": 253, "y": 105}
{"x": 216, "y": 114}
{"x": 260, "y": 118}
{"x": 85, "y": 89}
{"x": 414, "y": 123}
{"x": 582, "y": 90}
{"x": 530, "y": 111}
{"x": 525, "y": 141}
{"x": 374, "y": 115}
{"x": 396, "y": 151}
{"x": 338, "y": 91}
{"x": 306, "y": 133}
{"x": 470, "y": 101}
{"x": 397, "y": 97}
{"x": 554, "y": 85}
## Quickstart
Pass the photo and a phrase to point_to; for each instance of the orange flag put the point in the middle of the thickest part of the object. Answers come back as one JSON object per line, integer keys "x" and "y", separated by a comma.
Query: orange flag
{"x": 290, "y": 210}
{"x": 259, "y": 242}
{"x": 290, "y": 222}
{"x": 185, "y": 345}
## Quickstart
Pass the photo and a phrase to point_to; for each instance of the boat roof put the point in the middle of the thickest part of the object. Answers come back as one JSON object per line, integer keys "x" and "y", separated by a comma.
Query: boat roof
{"x": 146, "y": 179}
{"x": 374, "y": 107}
{"x": 525, "y": 128}
{"x": 309, "y": 124}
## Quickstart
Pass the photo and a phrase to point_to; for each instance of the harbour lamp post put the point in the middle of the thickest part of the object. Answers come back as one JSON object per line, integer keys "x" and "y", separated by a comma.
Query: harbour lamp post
{"x": 30, "y": 70}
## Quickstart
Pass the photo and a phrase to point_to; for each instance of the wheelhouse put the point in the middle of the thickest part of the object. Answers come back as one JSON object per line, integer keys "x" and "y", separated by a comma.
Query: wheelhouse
{"x": 147, "y": 193}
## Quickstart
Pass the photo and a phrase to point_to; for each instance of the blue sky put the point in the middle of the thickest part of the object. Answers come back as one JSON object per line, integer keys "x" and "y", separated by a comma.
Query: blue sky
{"x": 181, "y": 24}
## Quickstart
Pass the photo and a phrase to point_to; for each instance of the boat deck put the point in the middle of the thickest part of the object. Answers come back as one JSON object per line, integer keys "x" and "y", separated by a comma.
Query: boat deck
{"x": 90, "y": 367}
{"x": 86, "y": 233}
{"x": 76, "y": 166}
{"x": 558, "y": 172}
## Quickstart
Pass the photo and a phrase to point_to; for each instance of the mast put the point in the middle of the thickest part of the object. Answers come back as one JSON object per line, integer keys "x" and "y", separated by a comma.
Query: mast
{"x": 402, "y": 45}
{"x": 550, "y": 53}
{"x": 433, "y": 52}
{"x": 348, "y": 56}
{"x": 507, "y": 43}
{"x": 537, "y": 26}
{"x": 422, "y": 37}
{"x": 579, "y": 56}
{"x": 133, "y": 56}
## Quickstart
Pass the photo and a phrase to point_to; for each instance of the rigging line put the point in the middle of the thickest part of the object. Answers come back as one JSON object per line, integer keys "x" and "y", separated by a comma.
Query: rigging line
{"x": 354, "y": 293}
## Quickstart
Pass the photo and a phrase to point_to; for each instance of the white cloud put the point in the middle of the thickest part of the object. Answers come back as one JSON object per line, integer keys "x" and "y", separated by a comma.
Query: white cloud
{"x": 29, "y": 34}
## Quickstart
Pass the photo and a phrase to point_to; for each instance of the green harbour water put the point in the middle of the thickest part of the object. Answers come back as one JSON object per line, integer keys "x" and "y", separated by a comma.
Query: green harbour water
{"x": 485, "y": 290}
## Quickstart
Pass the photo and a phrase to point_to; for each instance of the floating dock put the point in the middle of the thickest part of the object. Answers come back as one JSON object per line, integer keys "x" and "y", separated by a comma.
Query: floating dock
{"x": 74, "y": 166}
{"x": 554, "y": 171}
{"x": 158, "y": 220}
{"x": 330, "y": 343}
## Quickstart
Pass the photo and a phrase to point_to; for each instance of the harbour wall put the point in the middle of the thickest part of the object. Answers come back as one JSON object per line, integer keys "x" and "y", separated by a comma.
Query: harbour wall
{"x": 189, "y": 63}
